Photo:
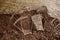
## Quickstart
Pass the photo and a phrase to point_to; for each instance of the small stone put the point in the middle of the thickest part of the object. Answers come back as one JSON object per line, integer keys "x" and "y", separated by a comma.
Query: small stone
{"x": 37, "y": 19}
